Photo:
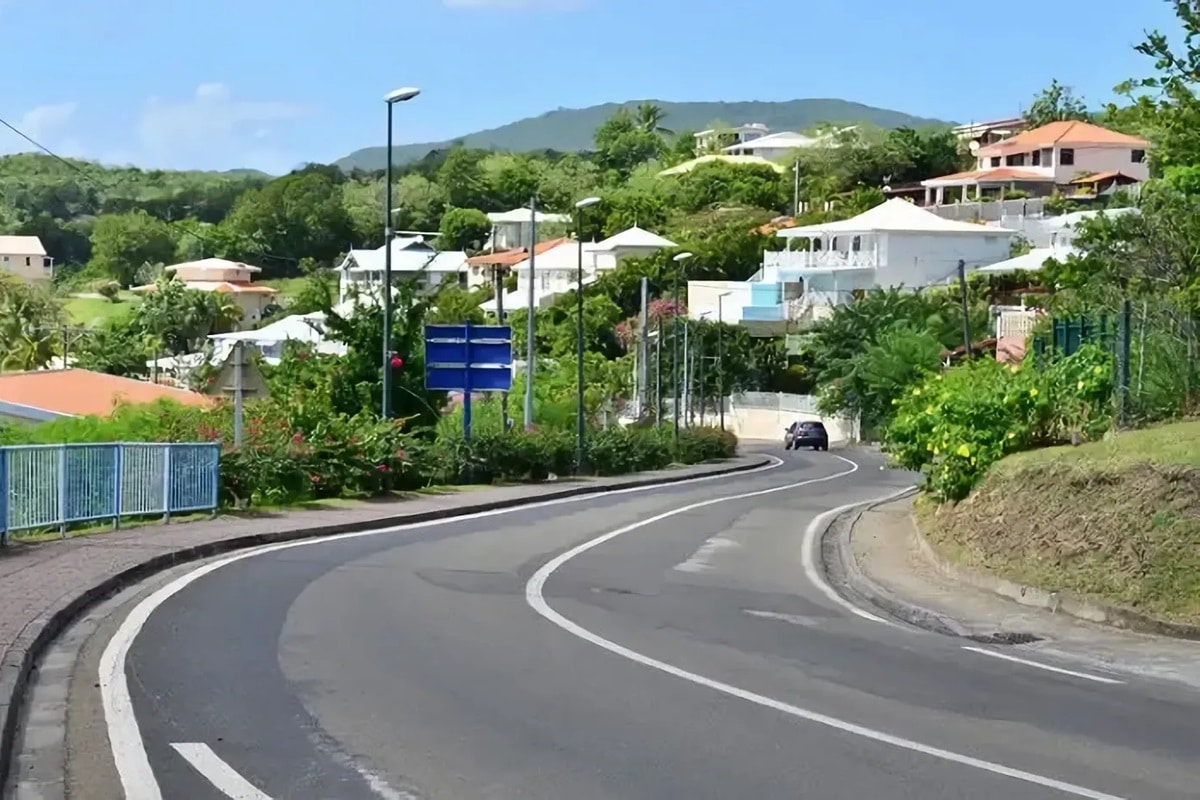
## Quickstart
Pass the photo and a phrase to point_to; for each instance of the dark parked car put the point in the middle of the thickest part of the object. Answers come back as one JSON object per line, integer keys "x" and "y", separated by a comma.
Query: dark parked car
{"x": 805, "y": 434}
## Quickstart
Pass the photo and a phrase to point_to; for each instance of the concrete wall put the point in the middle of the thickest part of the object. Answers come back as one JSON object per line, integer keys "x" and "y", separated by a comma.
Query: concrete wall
{"x": 763, "y": 416}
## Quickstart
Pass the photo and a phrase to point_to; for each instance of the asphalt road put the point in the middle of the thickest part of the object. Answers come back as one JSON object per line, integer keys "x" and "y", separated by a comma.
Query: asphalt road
{"x": 690, "y": 656}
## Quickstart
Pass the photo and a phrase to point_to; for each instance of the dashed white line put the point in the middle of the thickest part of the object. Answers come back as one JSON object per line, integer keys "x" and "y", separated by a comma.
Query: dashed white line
{"x": 224, "y": 777}
{"x": 124, "y": 733}
{"x": 1038, "y": 665}
{"x": 534, "y": 597}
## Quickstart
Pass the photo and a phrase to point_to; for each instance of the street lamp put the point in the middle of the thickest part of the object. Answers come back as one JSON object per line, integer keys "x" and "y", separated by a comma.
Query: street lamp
{"x": 721, "y": 354}
{"x": 579, "y": 418}
{"x": 679, "y": 259}
{"x": 393, "y": 97}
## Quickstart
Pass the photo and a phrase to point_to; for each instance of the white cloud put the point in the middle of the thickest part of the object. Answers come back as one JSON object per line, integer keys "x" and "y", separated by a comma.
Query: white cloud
{"x": 516, "y": 5}
{"x": 212, "y": 130}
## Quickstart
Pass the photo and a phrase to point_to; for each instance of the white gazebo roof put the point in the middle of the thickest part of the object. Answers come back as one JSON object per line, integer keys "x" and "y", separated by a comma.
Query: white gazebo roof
{"x": 1032, "y": 261}
{"x": 634, "y": 237}
{"x": 897, "y": 215}
{"x": 737, "y": 161}
{"x": 523, "y": 214}
{"x": 786, "y": 140}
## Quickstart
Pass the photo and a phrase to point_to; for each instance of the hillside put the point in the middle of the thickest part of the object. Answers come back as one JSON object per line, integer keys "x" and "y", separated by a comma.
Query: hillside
{"x": 571, "y": 129}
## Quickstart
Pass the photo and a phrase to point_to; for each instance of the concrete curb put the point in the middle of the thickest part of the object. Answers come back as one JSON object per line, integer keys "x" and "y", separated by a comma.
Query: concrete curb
{"x": 1055, "y": 602}
{"x": 845, "y": 575}
{"x": 34, "y": 640}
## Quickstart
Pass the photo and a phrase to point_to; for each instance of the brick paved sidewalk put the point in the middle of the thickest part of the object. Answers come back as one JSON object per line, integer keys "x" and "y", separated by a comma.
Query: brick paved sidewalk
{"x": 45, "y": 586}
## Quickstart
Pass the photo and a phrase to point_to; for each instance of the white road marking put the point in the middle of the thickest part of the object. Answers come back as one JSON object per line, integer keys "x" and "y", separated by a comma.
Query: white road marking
{"x": 1097, "y": 678}
{"x": 536, "y": 600}
{"x": 793, "y": 619}
{"x": 811, "y": 545}
{"x": 701, "y": 560}
{"x": 124, "y": 733}
{"x": 218, "y": 773}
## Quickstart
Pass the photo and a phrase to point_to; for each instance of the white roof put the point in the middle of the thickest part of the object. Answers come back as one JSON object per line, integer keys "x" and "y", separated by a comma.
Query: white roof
{"x": 688, "y": 166}
{"x": 1032, "y": 261}
{"x": 300, "y": 327}
{"x": 749, "y": 126}
{"x": 564, "y": 255}
{"x": 21, "y": 246}
{"x": 786, "y": 140}
{"x": 409, "y": 254}
{"x": 213, "y": 264}
{"x": 523, "y": 214}
{"x": 898, "y": 215}
{"x": 634, "y": 237}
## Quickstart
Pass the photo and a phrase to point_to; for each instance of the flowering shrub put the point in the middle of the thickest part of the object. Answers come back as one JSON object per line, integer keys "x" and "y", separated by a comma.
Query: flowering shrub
{"x": 956, "y": 424}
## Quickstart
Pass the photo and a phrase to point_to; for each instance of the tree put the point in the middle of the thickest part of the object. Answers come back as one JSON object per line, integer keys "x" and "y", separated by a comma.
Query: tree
{"x": 622, "y": 144}
{"x": 123, "y": 243}
{"x": 454, "y": 306}
{"x": 649, "y": 118}
{"x": 461, "y": 177}
{"x": 114, "y": 349}
{"x": 1056, "y": 103}
{"x": 464, "y": 229}
{"x": 296, "y": 216}
{"x": 179, "y": 319}
{"x": 29, "y": 326}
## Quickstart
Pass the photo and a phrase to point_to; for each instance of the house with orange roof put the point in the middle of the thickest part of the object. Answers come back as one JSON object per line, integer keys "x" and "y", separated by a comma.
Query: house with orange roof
{"x": 45, "y": 395}
{"x": 1043, "y": 160}
{"x": 226, "y": 277}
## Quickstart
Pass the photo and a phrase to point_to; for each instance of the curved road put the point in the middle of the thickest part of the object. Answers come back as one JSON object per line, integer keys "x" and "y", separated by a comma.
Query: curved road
{"x": 687, "y": 654}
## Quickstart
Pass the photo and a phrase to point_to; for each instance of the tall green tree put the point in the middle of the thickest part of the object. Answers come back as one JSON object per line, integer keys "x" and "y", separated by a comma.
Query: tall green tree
{"x": 1056, "y": 103}
{"x": 123, "y": 243}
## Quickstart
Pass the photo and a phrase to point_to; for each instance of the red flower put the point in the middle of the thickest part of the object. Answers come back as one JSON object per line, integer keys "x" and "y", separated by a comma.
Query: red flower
{"x": 297, "y": 437}
{"x": 315, "y": 478}
{"x": 383, "y": 468}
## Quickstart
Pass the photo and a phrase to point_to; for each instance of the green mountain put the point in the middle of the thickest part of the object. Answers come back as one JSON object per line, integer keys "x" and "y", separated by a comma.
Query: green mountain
{"x": 570, "y": 129}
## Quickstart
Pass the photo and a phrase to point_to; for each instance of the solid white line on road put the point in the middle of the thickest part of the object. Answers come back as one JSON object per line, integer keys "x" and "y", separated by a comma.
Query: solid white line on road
{"x": 811, "y": 546}
{"x": 534, "y": 597}
{"x": 1097, "y": 678}
{"x": 124, "y": 733}
{"x": 218, "y": 773}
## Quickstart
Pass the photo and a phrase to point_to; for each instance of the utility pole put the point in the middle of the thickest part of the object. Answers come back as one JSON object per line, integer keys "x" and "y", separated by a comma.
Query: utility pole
{"x": 644, "y": 349}
{"x": 966, "y": 315}
{"x": 530, "y": 345}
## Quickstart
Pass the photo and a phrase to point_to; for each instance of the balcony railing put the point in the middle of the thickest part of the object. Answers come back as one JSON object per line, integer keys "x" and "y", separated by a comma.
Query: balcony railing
{"x": 817, "y": 259}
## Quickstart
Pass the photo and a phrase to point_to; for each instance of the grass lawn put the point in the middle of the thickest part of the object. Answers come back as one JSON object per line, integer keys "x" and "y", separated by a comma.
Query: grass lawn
{"x": 94, "y": 311}
{"x": 1176, "y": 443}
{"x": 287, "y": 287}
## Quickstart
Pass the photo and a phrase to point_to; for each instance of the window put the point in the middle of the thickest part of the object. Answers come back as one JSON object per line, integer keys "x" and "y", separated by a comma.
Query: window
{"x": 28, "y": 261}
{"x": 995, "y": 161}
{"x": 856, "y": 244}
{"x": 546, "y": 280}
{"x": 1017, "y": 160}
{"x": 5, "y": 259}
{"x": 462, "y": 280}
{"x": 1137, "y": 156}
{"x": 1066, "y": 156}
{"x": 1036, "y": 161}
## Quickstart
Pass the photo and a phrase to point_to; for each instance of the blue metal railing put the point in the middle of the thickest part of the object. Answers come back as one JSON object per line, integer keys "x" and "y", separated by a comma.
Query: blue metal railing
{"x": 53, "y": 486}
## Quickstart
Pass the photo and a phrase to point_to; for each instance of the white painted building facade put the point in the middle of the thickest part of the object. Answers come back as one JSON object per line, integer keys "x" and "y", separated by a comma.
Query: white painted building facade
{"x": 413, "y": 259}
{"x": 895, "y": 244}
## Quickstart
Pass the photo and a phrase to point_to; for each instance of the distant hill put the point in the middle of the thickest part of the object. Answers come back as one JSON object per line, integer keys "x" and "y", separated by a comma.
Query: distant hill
{"x": 571, "y": 129}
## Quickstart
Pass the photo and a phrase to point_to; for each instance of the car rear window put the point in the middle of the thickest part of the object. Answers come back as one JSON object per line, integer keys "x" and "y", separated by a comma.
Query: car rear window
{"x": 817, "y": 426}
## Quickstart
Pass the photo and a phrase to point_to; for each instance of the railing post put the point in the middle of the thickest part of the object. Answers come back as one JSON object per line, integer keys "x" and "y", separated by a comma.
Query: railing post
{"x": 118, "y": 483}
{"x": 4, "y": 496}
{"x": 166, "y": 486}
{"x": 62, "y": 490}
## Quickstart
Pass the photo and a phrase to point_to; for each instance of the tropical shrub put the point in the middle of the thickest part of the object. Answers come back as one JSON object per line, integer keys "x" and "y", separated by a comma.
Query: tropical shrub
{"x": 956, "y": 424}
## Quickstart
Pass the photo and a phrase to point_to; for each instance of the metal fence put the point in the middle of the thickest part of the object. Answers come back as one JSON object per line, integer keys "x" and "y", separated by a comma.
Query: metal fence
{"x": 54, "y": 486}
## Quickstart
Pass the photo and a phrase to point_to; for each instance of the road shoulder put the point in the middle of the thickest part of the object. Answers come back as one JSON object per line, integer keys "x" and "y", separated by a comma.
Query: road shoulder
{"x": 886, "y": 563}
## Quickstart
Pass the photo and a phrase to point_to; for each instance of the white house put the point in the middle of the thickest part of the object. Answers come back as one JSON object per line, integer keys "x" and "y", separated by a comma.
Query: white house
{"x": 709, "y": 139}
{"x": 775, "y": 146}
{"x": 556, "y": 265}
{"x": 413, "y": 259}
{"x": 893, "y": 244}
{"x": 512, "y": 230}
{"x": 1043, "y": 159}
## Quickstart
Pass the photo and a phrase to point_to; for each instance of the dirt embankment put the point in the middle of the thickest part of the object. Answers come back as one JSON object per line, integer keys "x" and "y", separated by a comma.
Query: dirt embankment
{"x": 1123, "y": 532}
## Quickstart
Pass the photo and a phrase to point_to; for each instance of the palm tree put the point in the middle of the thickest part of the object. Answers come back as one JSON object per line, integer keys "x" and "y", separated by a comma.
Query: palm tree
{"x": 649, "y": 117}
{"x": 29, "y": 319}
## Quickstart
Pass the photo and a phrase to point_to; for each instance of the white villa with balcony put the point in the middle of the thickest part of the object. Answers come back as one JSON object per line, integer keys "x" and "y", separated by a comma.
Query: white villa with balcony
{"x": 893, "y": 244}
{"x": 413, "y": 259}
{"x": 556, "y": 267}
{"x": 1040, "y": 160}
{"x": 512, "y": 230}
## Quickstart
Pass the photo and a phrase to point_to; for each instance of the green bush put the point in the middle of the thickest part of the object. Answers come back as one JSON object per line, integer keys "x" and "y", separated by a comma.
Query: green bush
{"x": 957, "y": 424}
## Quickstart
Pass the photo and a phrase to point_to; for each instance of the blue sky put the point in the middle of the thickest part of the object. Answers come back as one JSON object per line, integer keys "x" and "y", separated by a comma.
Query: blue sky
{"x": 272, "y": 83}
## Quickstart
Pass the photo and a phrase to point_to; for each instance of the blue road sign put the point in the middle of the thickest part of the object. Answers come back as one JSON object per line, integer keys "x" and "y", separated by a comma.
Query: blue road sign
{"x": 468, "y": 358}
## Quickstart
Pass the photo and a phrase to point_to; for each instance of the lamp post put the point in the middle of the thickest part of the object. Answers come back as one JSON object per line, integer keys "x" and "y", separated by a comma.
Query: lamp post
{"x": 679, "y": 260}
{"x": 721, "y": 358}
{"x": 397, "y": 96}
{"x": 579, "y": 411}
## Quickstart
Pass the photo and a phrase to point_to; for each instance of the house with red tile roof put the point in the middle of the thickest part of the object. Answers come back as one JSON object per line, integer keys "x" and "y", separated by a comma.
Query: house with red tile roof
{"x": 1045, "y": 159}
{"x": 226, "y": 277}
{"x": 46, "y": 395}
